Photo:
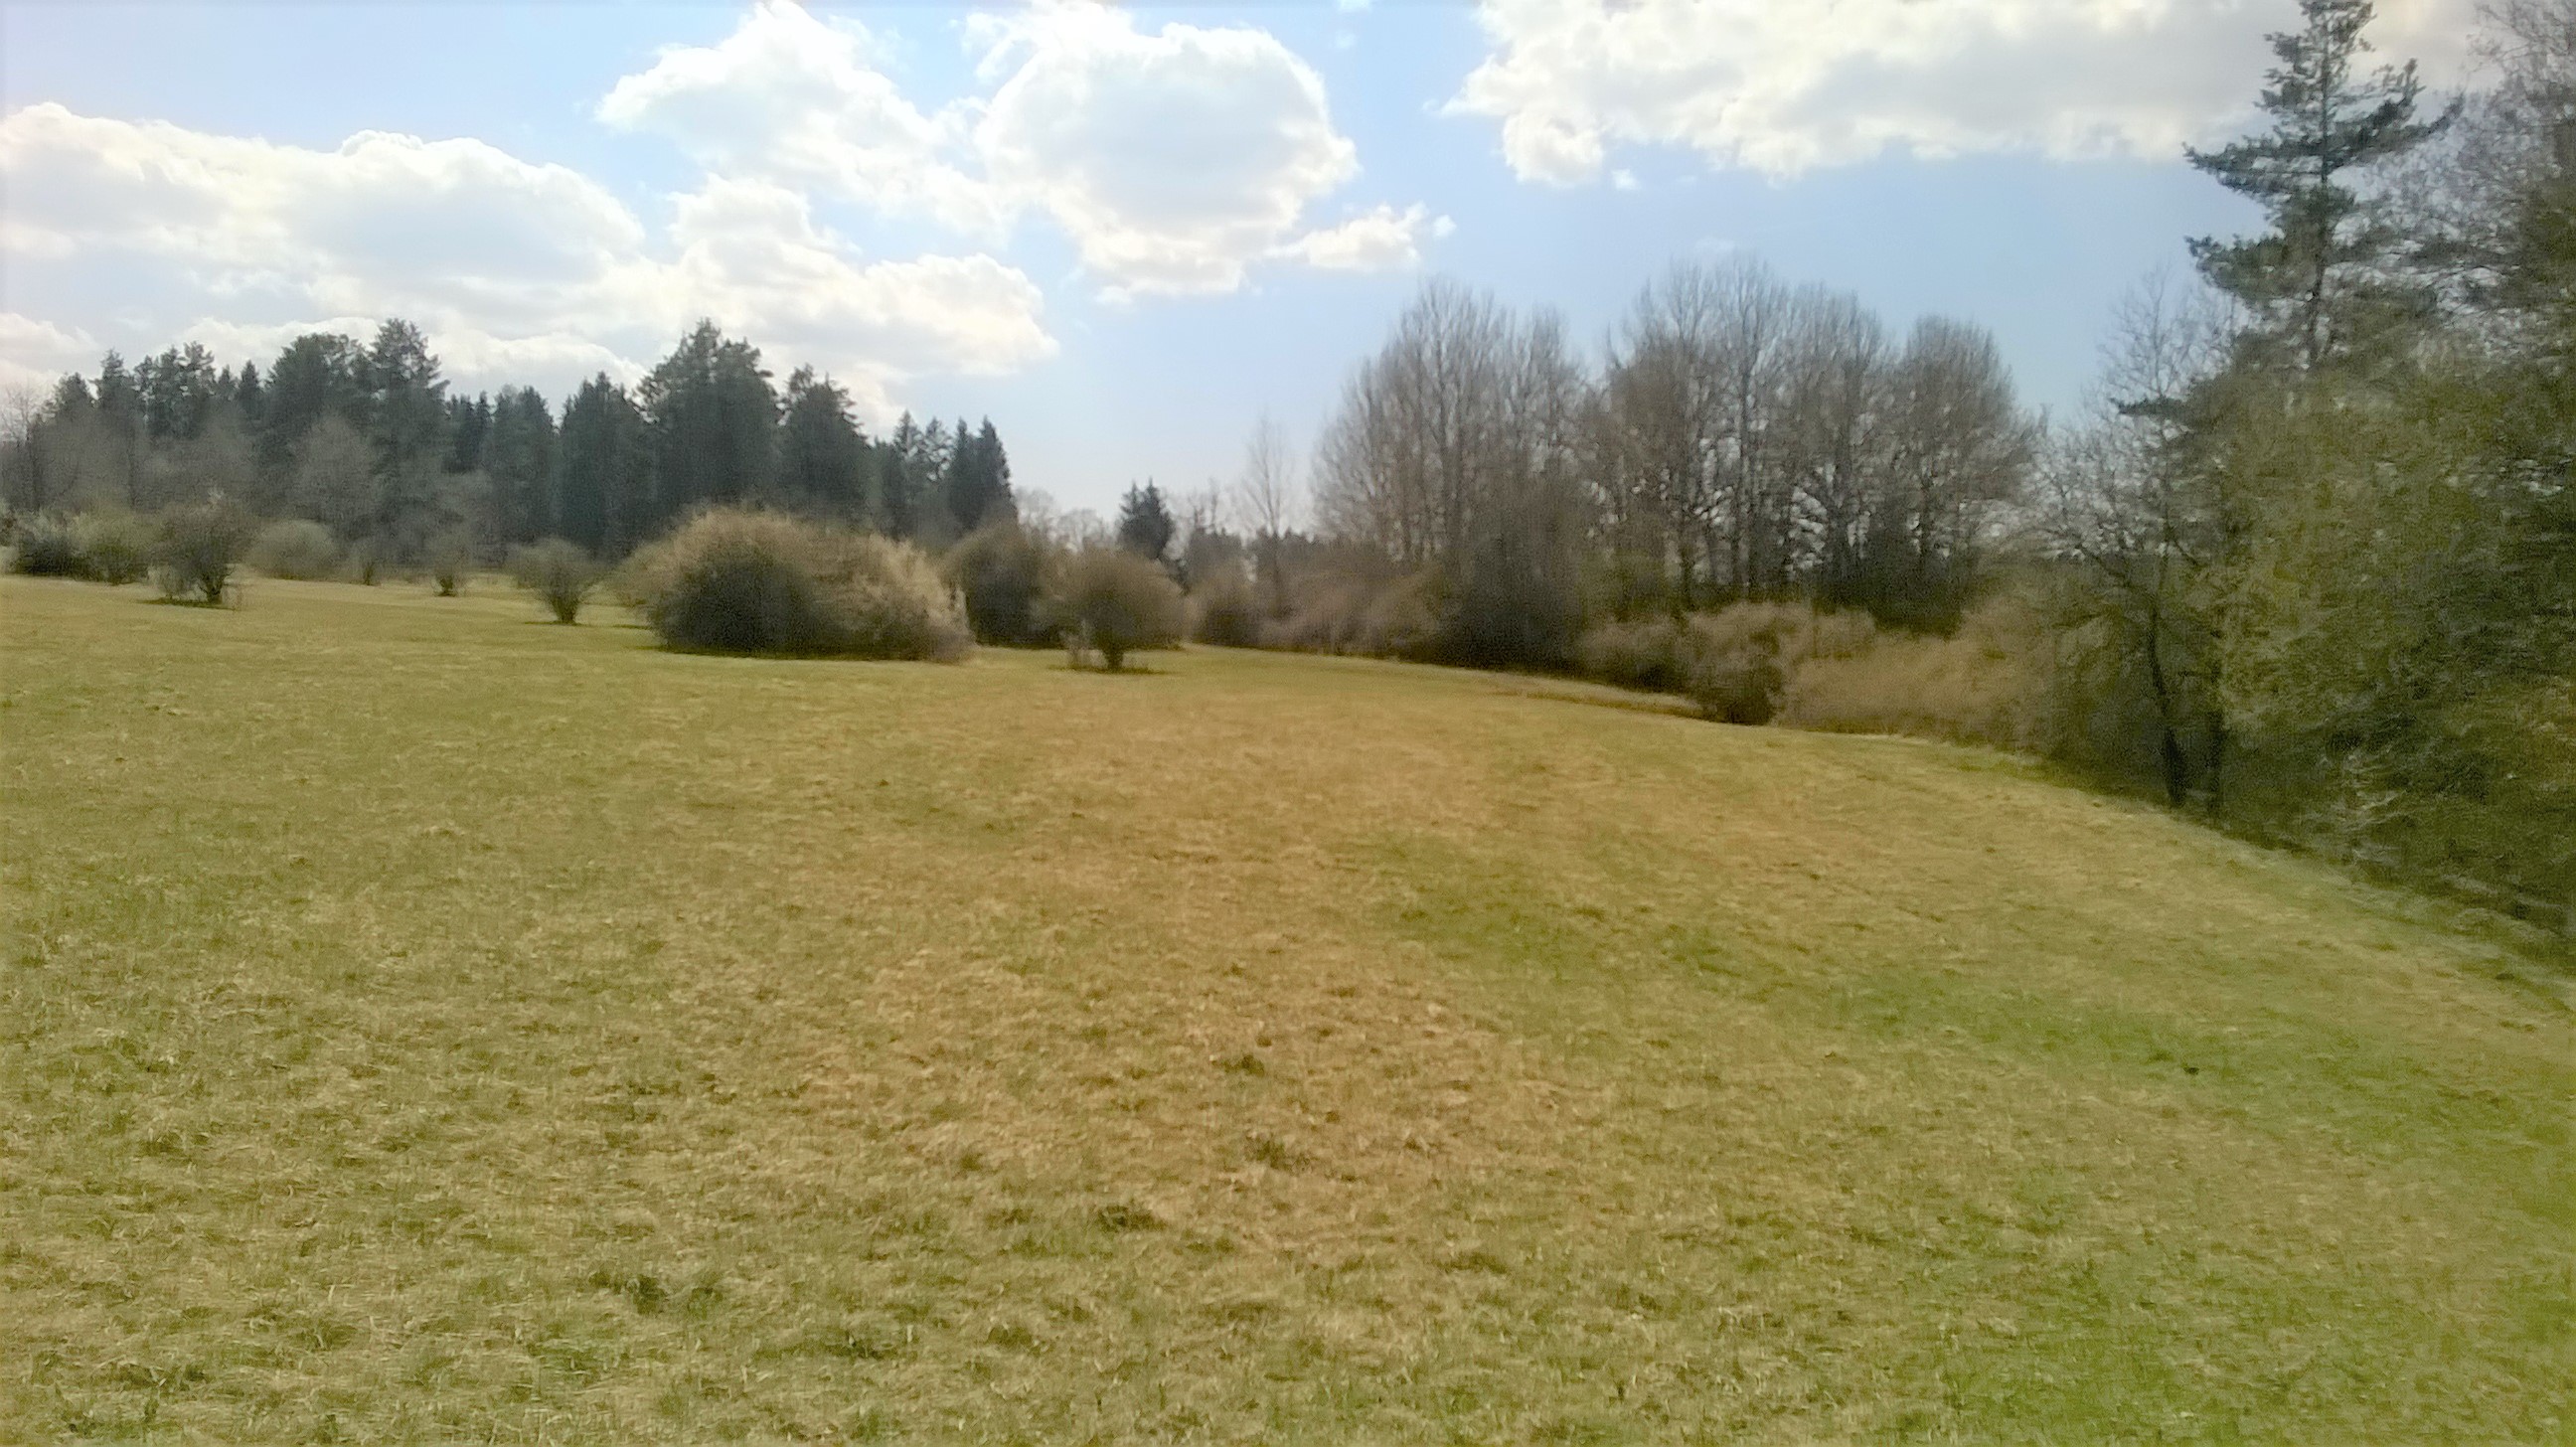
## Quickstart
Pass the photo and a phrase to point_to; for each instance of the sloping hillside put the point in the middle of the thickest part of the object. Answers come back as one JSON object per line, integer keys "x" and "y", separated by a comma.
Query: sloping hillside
{"x": 419, "y": 1023}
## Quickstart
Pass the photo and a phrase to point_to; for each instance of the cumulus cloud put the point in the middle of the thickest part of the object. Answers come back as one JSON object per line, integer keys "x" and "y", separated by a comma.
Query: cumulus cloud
{"x": 33, "y": 353}
{"x": 518, "y": 271}
{"x": 1383, "y": 239}
{"x": 1783, "y": 88}
{"x": 792, "y": 98}
{"x": 1173, "y": 159}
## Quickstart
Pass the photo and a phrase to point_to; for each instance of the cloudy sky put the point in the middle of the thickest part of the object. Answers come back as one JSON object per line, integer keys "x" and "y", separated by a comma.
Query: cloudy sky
{"x": 1121, "y": 232}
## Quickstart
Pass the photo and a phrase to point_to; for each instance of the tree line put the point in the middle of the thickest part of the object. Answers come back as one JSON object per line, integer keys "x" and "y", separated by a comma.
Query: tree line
{"x": 367, "y": 439}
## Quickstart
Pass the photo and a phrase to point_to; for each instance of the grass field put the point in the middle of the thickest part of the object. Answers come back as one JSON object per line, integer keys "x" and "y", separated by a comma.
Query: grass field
{"x": 422, "y": 1024}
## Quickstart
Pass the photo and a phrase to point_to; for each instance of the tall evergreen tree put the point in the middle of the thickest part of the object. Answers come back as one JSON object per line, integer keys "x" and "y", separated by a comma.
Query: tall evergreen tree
{"x": 2316, "y": 279}
{"x": 979, "y": 479}
{"x": 604, "y": 471}
{"x": 518, "y": 457}
{"x": 714, "y": 419}
{"x": 1145, "y": 525}
{"x": 318, "y": 374}
{"x": 468, "y": 420}
{"x": 821, "y": 453}
{"x": 407, "y": 410}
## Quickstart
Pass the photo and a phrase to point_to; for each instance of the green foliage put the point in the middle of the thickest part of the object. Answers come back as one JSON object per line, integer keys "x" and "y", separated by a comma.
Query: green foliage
{"x": 1000, "y": 571}
{"x": 1145, "y": 523}
{"x": 2314, "y": 281}
{"x": 1116, "y": 600}
{"x": 740, "y": 581}
{"x": 199, "y": 547}
{"x": 295, "y": 548}
{"x": 559, "y": 573}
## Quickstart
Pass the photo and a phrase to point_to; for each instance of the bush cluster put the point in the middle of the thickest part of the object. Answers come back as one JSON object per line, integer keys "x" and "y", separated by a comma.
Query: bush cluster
{"x": 104, "y": 546}
{"x": 732, "y": 580}
{"x": 1839, "y": 672}
{"x": 1223, "y": 612}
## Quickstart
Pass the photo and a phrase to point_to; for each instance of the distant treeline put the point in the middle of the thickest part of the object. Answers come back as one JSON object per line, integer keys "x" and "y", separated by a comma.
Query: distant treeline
{"x": 367, "y": 439}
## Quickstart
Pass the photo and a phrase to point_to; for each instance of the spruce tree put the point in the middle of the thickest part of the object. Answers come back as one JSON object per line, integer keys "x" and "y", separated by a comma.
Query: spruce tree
{"x": 820, "y": 450}
{"x": 1145, "y": 525}
{"x": 2314, "y": 279}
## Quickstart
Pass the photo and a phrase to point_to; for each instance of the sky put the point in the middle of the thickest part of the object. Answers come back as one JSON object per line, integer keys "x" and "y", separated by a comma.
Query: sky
{"x": 1121, "y": 232}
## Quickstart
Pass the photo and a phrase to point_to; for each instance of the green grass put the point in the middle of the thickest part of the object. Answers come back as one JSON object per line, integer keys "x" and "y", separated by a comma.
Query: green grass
{"x": 419, "y": 1023}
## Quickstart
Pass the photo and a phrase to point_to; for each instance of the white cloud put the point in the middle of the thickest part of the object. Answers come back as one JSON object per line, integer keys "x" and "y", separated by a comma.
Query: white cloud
{"x": 1384, "y": 239}
{"x": 1173, "y": 159}
{"x": 791, "y": 98}
{"x": 36, "y": 353}
{"x": 1782, "y": 88}
{"x": 518, "y": 272}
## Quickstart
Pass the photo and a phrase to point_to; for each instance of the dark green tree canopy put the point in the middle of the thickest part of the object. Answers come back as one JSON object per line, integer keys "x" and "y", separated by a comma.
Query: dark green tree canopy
{"x": 1145, "y": 524}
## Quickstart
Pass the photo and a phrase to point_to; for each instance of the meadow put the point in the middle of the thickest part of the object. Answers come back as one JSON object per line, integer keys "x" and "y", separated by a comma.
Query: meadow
{"x": 421, "y": 1023}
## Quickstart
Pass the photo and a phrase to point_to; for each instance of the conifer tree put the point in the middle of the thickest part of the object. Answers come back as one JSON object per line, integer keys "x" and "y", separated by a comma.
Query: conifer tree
{"x": 2315, "y": 279}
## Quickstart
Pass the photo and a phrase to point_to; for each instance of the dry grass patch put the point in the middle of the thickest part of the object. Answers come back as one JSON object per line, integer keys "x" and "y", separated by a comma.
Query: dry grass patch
{"x": 416, "y": 1023}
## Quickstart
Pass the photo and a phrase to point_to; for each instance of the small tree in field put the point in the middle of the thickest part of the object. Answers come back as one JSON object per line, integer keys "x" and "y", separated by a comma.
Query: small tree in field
{"x": 559, "y": 573}
{"x": 1118, "y": 600}
{"x": 200, "y": 547}
{"x": 451, "y": 562}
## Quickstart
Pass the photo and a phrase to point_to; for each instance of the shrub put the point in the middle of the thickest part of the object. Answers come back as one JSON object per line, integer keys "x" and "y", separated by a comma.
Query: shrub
{"x": 1001, "y": 573}
{"x": 295, "y": 548}
{"x": 1117, "y": 601}
{"x": 1989, "y": 684}
{"x": 1222, "y": 610}
{"x": 1643, "y": 653}
{"x": 738, "y": 581}
{"x": 451, "y": 562}
{"x": 559, "y": 573}
{"x": 117, "y": 544}
{"x": 108, "y": 546}
{"x": 200, "y": 546}
{"x": 1737, "y": 688}
{"x": 1394, "y": 617}
{"x": 48, "y": 546}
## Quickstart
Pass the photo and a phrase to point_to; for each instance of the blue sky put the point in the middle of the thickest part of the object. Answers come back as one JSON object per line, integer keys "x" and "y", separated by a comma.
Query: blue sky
{"x": 1121, "y": 234}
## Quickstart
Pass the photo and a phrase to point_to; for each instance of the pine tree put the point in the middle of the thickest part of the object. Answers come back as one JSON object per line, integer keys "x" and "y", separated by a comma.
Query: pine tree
{"x": 407, "y": 408}
{"x": 2315, "y": 278}
{"x": 318, "y": 374}
{"x": 247, "y": 394}
{"x": 979, "y": 479}
{"x": 821, "y": 453}
{"x": 1145, "y": 525}
{"x": 714, "y": 422}
{"x": 518, "y": 456}
{"x": 604, "y": 470}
